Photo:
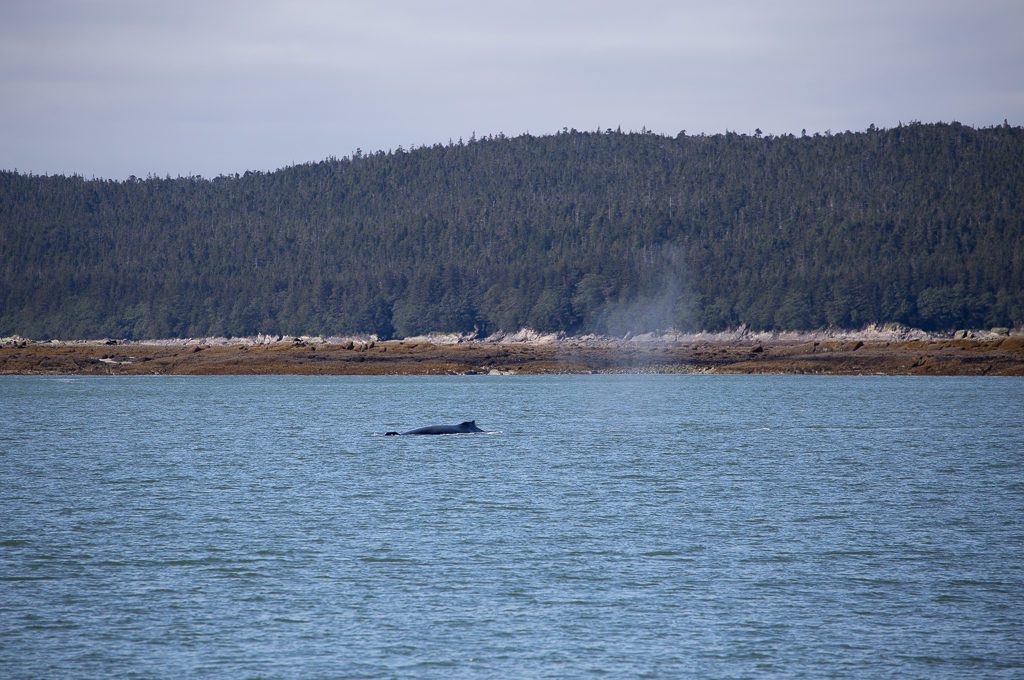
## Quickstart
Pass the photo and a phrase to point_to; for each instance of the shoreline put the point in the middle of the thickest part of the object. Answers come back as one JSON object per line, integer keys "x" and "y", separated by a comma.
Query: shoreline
{"x": 985, "y": 354}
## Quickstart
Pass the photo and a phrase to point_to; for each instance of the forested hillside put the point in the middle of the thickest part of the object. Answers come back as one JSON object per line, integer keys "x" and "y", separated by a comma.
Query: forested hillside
{"x": 579, "y": 231}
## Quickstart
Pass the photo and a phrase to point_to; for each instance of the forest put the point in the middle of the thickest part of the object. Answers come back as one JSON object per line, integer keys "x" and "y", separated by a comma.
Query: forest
{"x": 581, "y": 231}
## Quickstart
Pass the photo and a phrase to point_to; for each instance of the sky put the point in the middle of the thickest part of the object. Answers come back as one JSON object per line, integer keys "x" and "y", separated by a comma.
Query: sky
{"x": 113, "y": 88}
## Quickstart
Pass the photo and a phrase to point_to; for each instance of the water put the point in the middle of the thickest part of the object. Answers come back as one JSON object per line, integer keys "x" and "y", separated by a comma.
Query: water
{"x": 627, "y": 526}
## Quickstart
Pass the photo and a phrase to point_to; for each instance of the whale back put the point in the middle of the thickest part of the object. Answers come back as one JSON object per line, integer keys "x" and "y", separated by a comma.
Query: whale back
{"x": 463, "y": 427}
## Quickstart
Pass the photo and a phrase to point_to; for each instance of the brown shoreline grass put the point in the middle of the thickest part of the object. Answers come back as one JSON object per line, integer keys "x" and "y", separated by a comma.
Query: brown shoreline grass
{"x": 990, "y": 356}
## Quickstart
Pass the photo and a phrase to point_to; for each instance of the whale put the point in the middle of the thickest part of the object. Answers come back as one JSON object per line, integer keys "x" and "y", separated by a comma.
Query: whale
{"x": 462, "y": 428}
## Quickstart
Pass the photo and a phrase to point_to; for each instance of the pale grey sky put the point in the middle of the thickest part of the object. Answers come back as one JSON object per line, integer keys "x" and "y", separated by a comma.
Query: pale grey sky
{"x": 112, "y": 88}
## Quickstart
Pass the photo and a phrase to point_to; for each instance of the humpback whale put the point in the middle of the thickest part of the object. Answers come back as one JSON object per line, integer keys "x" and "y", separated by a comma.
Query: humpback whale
{"x": 461, "y": 428}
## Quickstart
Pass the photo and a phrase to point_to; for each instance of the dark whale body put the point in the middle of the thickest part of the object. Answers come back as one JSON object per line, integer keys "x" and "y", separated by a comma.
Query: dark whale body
{"x": 461, "y": 428}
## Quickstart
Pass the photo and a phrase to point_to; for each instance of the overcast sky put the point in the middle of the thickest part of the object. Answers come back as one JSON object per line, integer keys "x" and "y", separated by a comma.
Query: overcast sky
{"x": 111, "y": 88}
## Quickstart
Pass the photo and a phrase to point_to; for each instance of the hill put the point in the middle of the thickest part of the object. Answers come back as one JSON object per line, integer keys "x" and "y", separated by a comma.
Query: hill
{"x": 580, "y": 231}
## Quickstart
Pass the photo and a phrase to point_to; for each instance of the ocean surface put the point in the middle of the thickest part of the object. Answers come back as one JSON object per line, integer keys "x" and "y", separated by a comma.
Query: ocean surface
{"x": 617, "y": 526}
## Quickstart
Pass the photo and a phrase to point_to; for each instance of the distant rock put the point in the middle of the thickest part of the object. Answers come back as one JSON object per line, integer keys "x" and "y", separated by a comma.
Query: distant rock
{"x": 526, "y": 335}
{"x": 442, "y": 338}
{"x": 14, "y": 341}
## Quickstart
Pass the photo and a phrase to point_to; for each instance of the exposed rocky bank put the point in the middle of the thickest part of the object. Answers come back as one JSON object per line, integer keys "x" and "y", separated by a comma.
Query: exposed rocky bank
{"x": 875, "y": 350}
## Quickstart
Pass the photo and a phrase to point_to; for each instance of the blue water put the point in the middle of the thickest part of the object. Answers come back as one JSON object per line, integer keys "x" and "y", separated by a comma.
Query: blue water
{"x": 627, "y": 526}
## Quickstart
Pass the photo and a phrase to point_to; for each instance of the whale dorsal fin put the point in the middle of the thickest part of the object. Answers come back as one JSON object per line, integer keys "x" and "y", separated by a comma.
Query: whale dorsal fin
{"x": 468, "y": 422}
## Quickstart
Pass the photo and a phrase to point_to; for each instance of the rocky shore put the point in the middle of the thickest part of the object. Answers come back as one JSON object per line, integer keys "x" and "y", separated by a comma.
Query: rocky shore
{"x": 881, "y": 350}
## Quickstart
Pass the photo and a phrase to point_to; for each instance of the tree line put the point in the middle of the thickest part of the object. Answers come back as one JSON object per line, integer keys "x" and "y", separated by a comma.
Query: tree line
{"x": 580, "y": 231}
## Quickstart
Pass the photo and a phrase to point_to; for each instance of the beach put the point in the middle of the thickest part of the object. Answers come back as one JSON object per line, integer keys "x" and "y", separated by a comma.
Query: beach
{"x": 848, "y": 354}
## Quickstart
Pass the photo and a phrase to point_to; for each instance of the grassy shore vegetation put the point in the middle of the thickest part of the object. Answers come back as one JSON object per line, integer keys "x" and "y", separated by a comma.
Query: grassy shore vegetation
{"x": 598, "y": 231}
{"x": 989, "y": 356}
